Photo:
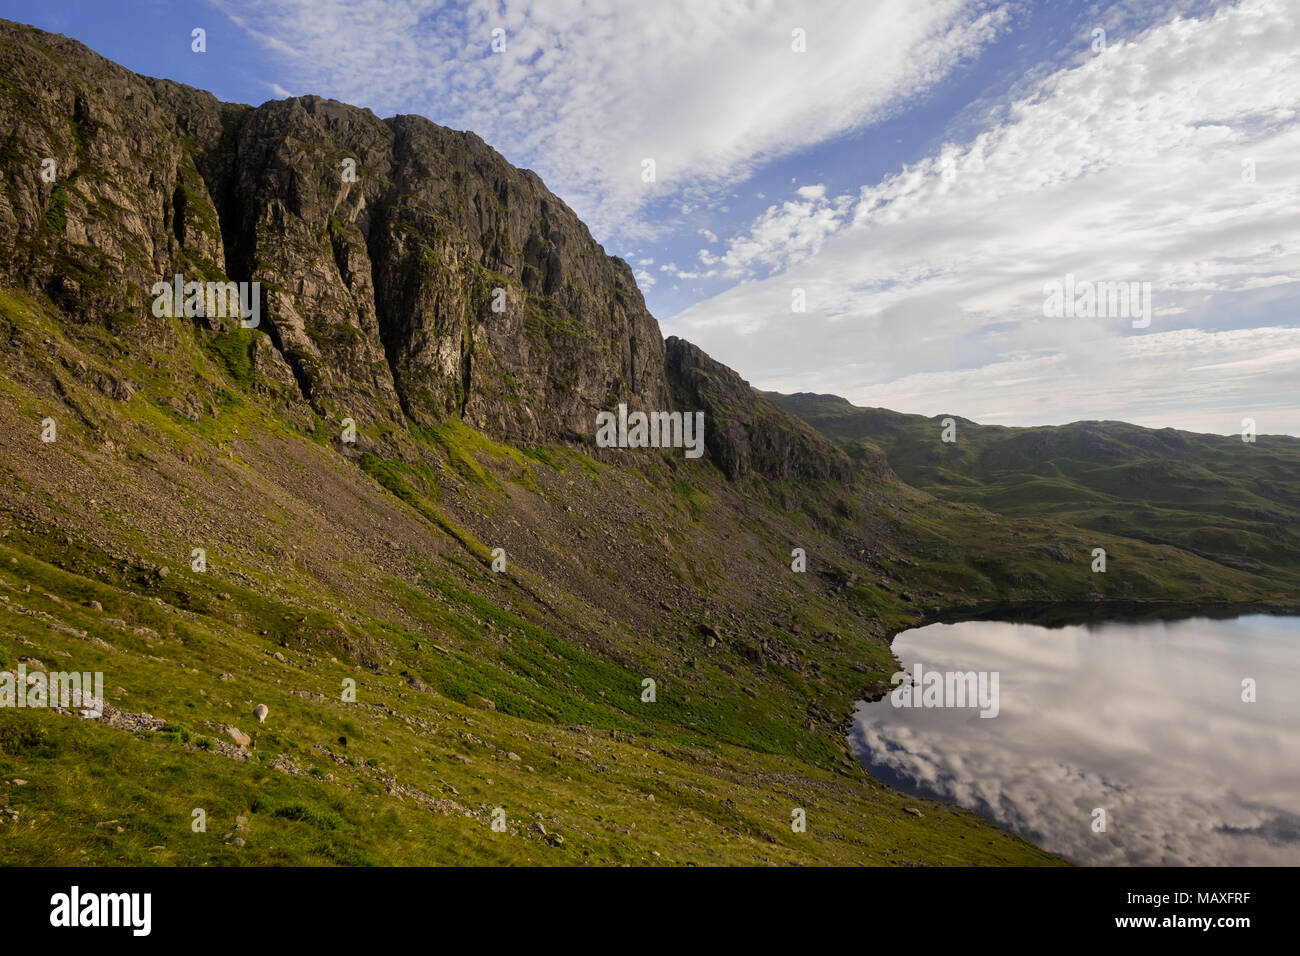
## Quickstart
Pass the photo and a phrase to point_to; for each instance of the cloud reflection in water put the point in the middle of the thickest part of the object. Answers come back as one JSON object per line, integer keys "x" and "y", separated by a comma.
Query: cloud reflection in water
{"x": 1143, "y": 719}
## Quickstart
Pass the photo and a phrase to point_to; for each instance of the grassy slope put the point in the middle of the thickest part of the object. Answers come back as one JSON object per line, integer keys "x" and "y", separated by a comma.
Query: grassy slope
{"x": 376, "y": 569}
{"x": 1234, "y": 503}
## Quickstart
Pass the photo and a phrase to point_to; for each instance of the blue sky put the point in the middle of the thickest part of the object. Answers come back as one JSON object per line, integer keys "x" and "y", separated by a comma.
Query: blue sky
{"x": 918, "y": 173}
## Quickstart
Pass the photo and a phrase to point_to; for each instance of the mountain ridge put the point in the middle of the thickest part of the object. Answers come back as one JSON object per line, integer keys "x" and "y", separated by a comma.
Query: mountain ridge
{"x": 1223, "y": 498}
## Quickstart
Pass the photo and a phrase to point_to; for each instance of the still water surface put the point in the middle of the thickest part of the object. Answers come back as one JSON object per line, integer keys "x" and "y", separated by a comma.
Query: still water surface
{"x": 1145, "y": 720}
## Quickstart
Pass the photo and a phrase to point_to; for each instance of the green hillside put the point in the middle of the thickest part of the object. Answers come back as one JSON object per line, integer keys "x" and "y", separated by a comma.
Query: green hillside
{"x": 1232, "y": 502}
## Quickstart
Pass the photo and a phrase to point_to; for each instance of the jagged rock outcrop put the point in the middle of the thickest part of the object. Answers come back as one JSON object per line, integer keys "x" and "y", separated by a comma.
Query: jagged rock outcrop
{"x": 408, "y": 272}
{"x": 744, "y": 432}
{"x": 378, "y": 290}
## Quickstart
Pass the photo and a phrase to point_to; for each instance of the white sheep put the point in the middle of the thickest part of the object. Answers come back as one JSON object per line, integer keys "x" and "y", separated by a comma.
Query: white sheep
{"x": 260, "y": 713}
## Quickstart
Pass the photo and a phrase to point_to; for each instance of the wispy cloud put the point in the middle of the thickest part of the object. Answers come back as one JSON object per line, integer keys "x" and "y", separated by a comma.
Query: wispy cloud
{"x": 584, "y": 95}
{"x": 270, "y": 40}
{"x": 1169, "y": 159}
{"x": 784, "y": 234}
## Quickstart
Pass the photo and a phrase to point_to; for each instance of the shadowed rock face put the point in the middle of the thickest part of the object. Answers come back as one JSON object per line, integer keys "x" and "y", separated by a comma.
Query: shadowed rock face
{"x": 744, "y": 431}
{"x": 408, "y": 272}
{"x": 377, "y": 293}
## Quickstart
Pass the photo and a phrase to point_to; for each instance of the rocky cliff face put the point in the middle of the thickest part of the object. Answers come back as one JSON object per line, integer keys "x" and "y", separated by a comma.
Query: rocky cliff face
{"x": 408, "y": 272}
{"x": 746, "y": 432}
{"x": 380, "y": 246}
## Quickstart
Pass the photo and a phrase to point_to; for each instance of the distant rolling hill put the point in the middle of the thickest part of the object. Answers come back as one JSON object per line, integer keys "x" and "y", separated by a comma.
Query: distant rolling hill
{"x": 1234, "y": 502}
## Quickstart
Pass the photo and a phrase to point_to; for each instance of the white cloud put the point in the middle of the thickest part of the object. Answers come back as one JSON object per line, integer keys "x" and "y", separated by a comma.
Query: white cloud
{"x": 272, "y": 41}
{"x": 1201, "y": 381}
{"x": 784, "y": 234}
{"x": 583, "y": 94}
{"x": 1125, "y": 167}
